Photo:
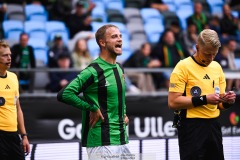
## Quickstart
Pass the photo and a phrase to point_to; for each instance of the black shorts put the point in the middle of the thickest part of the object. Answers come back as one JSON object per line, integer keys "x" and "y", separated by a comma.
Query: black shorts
{"x": 200, "y": 139}
{"x": 10, "y": 146}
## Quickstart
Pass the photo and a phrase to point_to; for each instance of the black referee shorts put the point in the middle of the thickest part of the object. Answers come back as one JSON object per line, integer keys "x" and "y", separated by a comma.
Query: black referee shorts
{"x": 200, "y": 139}
{"x": 10, "y": 146}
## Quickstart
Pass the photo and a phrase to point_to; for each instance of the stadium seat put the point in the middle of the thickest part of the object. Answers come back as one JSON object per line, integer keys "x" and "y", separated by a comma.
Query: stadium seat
{"x": 186, "y": 7}
{"x": 153, "y": 32}
{"x": 171, "y": 7}
{"x": 183, "y": 15}
{"x": 36, "y": 12}
{"x": 96, "y": 25}
{"x": 41, "y": 55}
{"x": 40, "y": 49}
{"x": 36, "y": 29}
{"x": 215, "y": 6}
{"x": 57, "y": 27}
{"x": 14, "y": 8}
{"x": 150, "y": 14}
{"x": 12, "y": 29}
{"x": 115, "y": 16}
{"x": 214, "y": 2}
{"x": 16, "y": 16}
{"x": 114, "y": 5}
{"x": 98, "y": 14}
{"x": 15, "y": 12}
{"x": 136, "y": 32}
{"x": 131, "y": 13}
{"x": 216, "y": 9}
{"x": 37, "y": 43}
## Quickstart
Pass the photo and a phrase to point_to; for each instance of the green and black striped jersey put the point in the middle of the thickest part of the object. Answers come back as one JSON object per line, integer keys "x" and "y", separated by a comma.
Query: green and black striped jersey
{"x": 103, "y": 86}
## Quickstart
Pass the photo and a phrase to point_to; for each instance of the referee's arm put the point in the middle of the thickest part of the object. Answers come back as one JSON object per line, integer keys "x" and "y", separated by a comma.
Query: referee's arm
{"x": 177, "y": 101}
{"x": 21, "y": 128}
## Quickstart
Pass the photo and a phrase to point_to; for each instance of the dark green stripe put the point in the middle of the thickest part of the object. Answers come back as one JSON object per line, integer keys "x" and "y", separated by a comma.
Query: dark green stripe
{"x": 85, "y": 122}
{"x": 102, "y": 100}
{"x": 120, "y": 104}
{"x": 88, "y": 82}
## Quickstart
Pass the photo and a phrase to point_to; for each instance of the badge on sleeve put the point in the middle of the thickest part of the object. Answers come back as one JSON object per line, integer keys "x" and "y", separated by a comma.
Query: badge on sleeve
{"x": 2, "y": 101}
{"x": 195, "y": 91}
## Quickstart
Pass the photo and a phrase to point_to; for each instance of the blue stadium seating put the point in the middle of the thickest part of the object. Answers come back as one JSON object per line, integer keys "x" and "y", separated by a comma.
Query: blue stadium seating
{"x": 96, "y": 25}
{"x": 183, "y": 15}
{"x": 115, "y": 5}
{"x": 57, "y": 27}
{"x": 12, "y": 29}
{"x": 98, "y": 13}
{"x": 150, "y": 14}
{"x": 40, "y": 49}
{"x": 36, "y": 29}
{"x": 153, "y": 32}
{"x": 36, "y": 12}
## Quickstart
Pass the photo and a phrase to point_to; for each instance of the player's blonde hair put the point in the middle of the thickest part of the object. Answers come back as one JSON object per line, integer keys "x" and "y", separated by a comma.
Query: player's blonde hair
{"x": 208, "y": 37}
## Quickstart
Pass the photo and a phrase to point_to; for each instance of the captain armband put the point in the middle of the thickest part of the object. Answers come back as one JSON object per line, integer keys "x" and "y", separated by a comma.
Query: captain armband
{"x": 199, "y": 100}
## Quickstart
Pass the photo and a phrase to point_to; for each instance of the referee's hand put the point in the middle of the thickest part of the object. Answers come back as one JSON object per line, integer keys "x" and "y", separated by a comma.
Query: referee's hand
{"x": 26, "y": 145}
{"x": 94, "y": 117}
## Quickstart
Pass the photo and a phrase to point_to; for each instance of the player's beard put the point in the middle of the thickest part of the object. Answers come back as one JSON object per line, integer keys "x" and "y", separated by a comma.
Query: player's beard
{"x": 114, "y": 51}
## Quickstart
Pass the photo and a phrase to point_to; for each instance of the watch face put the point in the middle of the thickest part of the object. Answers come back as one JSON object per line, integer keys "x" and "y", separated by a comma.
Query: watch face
{"x": 195, "y": 91}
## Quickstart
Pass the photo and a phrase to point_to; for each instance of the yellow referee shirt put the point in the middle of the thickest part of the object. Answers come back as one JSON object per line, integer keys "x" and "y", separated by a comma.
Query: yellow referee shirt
{"x": 191, "y": 78}
{"x": 9, "y": 94}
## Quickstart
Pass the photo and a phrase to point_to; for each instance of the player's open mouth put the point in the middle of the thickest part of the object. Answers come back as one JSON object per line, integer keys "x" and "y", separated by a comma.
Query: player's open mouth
{"x": 118, "y": 46}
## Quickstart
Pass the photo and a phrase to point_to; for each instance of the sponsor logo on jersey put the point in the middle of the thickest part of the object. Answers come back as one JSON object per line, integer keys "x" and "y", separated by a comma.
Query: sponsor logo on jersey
{"x": 206, "y": 77}
{"x": 195, "y": 91}
{"x": 107, "y": 83}
{"x": 7, "y": 87}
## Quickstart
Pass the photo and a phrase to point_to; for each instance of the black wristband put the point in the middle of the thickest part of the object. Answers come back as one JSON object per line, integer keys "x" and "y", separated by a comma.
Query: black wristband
{"x": 199, "y": 100}
{"x": 22, "y": 135}
{"x": 227, "y": 105}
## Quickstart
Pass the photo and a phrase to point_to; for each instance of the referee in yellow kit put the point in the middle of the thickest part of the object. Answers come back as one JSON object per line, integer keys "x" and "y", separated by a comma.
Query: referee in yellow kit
{"x": 197, "y": 93}
{"x": 12, "y": 147}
